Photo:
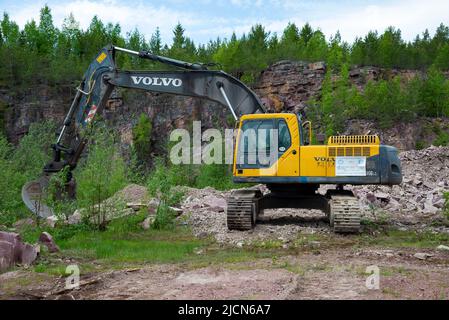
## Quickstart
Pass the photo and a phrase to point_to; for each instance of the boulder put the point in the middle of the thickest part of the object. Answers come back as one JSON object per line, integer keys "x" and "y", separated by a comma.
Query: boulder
{"x": 29, "y": 253}
{"x": 443, "y": 248}
{"x": 51, "y": 221}
{"x": 422, "y": 255}
{"x": 6, "y": 255}
{"x": 14, "y": 251}
{"x": 47, "y": 240}
{"x": 177, "y": 211}
{"x": 439, "y": 204}
{"x": 382, "y": 196}
{"x": 429, "y": 209}
{"x": 75, "y": 218}
{"x": 153, "y": 204}
{"x": 146, "y": 224}
{"x": 214, "y": 203}
{"x": 136, "y": 206}
{"x": 23, "y": 222}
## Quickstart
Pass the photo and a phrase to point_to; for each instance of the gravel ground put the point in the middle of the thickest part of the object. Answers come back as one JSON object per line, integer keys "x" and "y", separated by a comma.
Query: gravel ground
{"x": 415, "y": 204}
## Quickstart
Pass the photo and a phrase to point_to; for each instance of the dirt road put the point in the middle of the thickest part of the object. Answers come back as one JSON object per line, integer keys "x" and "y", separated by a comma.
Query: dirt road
{"x": 321, "y": 274}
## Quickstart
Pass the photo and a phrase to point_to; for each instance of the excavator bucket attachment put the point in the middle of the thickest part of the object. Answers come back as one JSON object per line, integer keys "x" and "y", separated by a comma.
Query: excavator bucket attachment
{"x": 33, "y": 195}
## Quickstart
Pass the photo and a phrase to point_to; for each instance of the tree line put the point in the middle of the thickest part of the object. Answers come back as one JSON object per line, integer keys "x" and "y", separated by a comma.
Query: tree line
{"x": 42, "y": 53}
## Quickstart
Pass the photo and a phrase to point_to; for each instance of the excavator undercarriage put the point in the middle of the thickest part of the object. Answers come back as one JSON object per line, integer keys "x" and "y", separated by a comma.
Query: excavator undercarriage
{"x": 340, "y": 206}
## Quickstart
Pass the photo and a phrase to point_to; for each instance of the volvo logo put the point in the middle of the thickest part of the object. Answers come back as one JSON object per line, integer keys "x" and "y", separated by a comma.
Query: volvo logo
{"x": 156, "y": 81}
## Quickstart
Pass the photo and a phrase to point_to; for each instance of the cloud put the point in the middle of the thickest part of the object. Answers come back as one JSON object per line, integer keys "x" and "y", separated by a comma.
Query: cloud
{"x": 206, "y": 19}
{"x": 144, "y": 16}
{"x": 411, "y": 16}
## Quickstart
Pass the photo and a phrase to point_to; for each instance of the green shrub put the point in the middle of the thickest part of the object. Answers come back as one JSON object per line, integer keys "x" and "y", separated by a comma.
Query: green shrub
{"x": 218, "y": 176}
{"x": 433, "y": 97}
{"x": 20, "y": 165}
{"x": 446, "y": 205}
{"x": 165, "y": 218}
{"x": 442, "y": 138}
{"x": 163, "y": 179}
{"x": 56, "y": 197}
{"x": 420, "y": 145}
{"x": 142, "y": 139}
{"x": 34, "y": 150}
{"x": 100, "y": 176}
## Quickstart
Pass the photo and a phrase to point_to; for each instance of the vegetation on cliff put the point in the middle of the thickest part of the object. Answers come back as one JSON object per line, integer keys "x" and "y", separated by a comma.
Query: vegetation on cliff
{"x": 385, "y": 101}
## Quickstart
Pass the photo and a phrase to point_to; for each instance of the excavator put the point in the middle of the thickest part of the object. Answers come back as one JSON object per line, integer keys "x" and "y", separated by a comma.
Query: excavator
{"x": 293, "y": 173}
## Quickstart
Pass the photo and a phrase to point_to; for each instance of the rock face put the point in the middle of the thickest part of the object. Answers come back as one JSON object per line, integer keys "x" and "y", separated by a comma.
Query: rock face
{"x": 288, "y": 85}
{"x": 33, "y": 105}
{"x": 14, "y": 251}
{"x": 284, "y": 86}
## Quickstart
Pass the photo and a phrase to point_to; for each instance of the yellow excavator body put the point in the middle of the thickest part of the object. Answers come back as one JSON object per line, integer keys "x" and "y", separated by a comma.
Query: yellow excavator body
{"x": 343, "y": 160}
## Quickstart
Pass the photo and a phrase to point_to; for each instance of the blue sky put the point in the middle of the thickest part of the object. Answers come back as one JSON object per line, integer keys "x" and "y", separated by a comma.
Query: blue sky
{"x": 208, "y": 19}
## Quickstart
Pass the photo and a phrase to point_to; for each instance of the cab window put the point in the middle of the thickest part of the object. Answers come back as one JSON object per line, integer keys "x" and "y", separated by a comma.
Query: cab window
{"x": 255, "y": 139}
{"x": 285, "y": 140}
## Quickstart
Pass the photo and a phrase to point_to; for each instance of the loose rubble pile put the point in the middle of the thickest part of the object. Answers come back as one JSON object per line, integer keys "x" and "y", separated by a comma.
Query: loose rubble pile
{"x": 204, "y": 210}
{"x": 420, "y": 196}
{"x": 416, "y": 203}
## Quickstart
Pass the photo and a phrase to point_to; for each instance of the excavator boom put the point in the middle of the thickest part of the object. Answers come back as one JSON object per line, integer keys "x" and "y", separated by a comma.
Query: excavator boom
{"x": 100, "y": 79}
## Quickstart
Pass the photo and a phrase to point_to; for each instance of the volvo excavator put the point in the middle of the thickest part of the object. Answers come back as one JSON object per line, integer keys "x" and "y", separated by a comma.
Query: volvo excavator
{"x": 292, "y": 174}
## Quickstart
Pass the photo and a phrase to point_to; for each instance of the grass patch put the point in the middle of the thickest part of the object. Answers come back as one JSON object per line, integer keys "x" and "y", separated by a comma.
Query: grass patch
{"x": 405, "y": 239}
{"x": 133, "y": 246}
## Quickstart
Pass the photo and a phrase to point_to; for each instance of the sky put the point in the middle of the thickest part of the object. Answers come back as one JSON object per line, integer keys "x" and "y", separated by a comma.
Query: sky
{"x": 209, "y": 19}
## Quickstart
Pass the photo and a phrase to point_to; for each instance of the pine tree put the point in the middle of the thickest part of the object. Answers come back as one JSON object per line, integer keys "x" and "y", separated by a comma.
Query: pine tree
{"x": 316, "y": 48}
{"x": 290, "y": 44}
{"x": 335, "y": 57}
{"x": 434, "y": 95}
{"x": 442, "y": 57}
{"x": 47, "y": 32}
{"x": 306, "y": 33}
{"x": 390, "y": 48}
{"x": 179, "y": 39}
{"x": 10, "y": 31}
{"x": 156, "y": 42}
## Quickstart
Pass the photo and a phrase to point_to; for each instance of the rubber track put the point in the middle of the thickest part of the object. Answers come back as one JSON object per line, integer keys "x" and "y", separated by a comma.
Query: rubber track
{"x": 239, "y": 214}
{"x": 346, "y": 214}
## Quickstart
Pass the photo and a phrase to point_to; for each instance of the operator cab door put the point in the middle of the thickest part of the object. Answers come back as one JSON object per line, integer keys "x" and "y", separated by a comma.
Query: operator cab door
{"x": 288, "y": 147}
{"x": 268, "y": 147}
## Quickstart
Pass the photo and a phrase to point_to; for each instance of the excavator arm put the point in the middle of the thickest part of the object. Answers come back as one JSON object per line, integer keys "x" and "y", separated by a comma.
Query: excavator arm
{"x": 103, "y": 76}
{"x": 100, "y": 79}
